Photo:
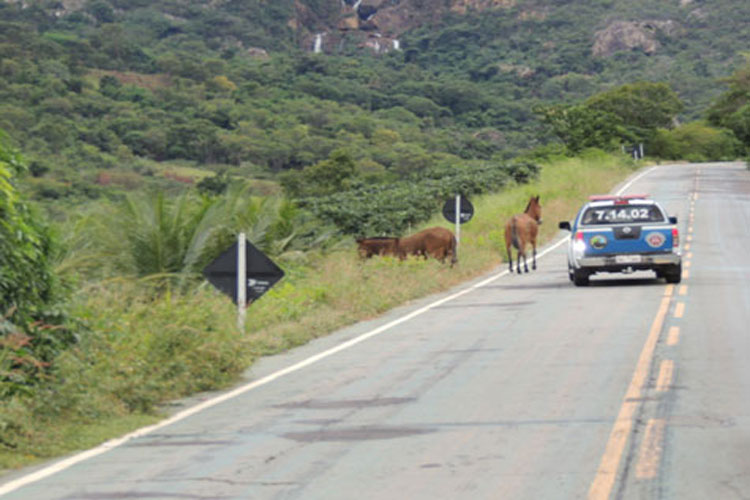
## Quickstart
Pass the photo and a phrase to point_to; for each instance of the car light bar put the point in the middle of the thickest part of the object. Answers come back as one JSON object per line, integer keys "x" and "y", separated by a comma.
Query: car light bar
{"x": 618, "y": 198}
{"x": 622, "y": 199}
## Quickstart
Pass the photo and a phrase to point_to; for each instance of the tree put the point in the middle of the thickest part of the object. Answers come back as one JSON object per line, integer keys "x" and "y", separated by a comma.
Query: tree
{"x": 28, "y": 285}
{"x": 732, "y": 108}
{"x": 580, "y": 127}
{"x": 641, "y": 107}
{"x": 324, "y": 178}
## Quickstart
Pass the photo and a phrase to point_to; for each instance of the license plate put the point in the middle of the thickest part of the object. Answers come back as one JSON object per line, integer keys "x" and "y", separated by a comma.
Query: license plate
{"x": 628, "y": 259}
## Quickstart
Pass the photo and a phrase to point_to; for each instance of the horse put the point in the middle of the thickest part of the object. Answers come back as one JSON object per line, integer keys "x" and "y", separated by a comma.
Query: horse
{"x": 383, "y": 245}
{"x": 522, "y": 229}
{"x": 436, "y": 242}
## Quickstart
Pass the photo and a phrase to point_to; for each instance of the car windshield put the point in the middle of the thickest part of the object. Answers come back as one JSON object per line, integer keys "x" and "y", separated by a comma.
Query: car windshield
{"x": 622, "y": 214}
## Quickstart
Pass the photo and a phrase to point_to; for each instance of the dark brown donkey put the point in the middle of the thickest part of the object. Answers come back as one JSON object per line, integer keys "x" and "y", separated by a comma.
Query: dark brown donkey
{"x": 522, "y": 229}
{"x": 368, "y": 247}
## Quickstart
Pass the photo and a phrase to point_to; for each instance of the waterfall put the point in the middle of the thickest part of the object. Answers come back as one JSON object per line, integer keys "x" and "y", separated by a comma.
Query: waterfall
{"x": 318, "y": 44}
{"x": 396, "y": 45}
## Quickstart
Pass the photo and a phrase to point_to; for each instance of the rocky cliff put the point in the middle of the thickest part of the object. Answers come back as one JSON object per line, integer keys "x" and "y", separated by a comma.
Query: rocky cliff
{"x": 377, "y": 24}
{"x": 335, "y": 26}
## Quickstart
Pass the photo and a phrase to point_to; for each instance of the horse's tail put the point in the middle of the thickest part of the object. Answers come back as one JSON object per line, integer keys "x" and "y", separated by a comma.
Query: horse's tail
{"x": 514, "y": 235}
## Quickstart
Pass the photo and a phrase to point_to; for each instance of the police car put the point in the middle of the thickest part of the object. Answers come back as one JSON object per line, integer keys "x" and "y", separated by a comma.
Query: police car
{"x": 623, "y": 234}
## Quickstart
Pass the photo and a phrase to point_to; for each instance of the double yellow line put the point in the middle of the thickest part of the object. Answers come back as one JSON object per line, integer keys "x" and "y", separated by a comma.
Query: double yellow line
{"x": 649, "y": 456}
{"x": 607, "y": 473}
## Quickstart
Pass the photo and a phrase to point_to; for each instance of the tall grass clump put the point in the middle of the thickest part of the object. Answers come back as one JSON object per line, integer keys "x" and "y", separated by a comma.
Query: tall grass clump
{"x": 134, "y": 352}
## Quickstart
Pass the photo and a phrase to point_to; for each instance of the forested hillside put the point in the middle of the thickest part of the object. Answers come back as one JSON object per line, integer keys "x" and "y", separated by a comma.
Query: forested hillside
{"x": 108, "y": 95}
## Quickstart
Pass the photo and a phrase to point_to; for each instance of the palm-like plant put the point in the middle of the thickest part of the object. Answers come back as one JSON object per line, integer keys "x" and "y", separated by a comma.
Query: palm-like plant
{"x": 150, "y": 235}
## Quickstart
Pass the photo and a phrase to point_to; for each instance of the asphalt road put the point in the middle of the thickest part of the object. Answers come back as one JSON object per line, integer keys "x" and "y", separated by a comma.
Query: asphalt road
{"x": 520, "y": 387}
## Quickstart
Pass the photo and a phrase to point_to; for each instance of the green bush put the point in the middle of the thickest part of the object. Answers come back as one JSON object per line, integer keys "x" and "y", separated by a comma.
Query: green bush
{"x": 29, "y": 339}
{"x": 695, "y": 141}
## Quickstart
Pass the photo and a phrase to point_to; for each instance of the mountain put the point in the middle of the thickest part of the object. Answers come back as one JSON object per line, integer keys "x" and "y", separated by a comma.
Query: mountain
{"x": 114, "y": 92}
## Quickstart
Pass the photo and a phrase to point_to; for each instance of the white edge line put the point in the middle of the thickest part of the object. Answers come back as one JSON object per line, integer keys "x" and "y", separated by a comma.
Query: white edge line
{"x": 114, "y": 443}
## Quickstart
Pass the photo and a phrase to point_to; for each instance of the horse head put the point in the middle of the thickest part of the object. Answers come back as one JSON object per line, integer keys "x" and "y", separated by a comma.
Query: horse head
{"x": 534, "y": 209}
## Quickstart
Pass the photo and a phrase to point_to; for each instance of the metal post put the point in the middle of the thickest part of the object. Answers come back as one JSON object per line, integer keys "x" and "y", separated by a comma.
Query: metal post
{"x": 241, "y": 283}
{"x": 641, "y": 149}
{"x": 458, "y": 220}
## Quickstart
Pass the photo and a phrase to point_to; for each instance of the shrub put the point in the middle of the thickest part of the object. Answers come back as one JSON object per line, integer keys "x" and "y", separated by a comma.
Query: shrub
{"x": 695, "y": 141}
{"x": 29, "y": 339}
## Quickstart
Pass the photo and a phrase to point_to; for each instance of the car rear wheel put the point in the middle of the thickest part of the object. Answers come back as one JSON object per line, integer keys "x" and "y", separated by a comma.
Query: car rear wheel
{"x": 673, "y": 274}
{"x": 580, "y": 277}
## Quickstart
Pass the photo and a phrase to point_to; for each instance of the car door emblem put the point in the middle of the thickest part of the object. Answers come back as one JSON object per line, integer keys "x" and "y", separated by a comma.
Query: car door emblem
{"x": 627, "y": 230}
{"x": 599, "y": 241}
{"x": 655, "y": 240}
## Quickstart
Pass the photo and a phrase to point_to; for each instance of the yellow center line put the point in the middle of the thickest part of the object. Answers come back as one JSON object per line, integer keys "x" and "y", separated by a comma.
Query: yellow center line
{"x": 683, "y": 290}
{"x": 685, "y": 274}
{"x": 651, "y": 449}
{"x": 687, "y": 263}
{"x": 689, "y": 237}
{"x": 604, "y": 480}
{"x": 673, "y": 338}
{"x": 664, "y": 380}
{"x": 689, "y": 255}
{"x": 687, "y": 246}
{"x": 668, "y": 290}
{"x": 690, "y": 229}
{"x": 679, "y": 310}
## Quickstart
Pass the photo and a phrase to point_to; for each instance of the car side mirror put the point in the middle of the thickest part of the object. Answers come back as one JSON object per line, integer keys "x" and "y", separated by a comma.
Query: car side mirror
{"x": 673, "y": 220}
{"x": 564, "y": 225}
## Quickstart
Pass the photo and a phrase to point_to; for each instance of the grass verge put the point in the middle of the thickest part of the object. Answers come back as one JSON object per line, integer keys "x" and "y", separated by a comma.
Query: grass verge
{"x": 137, "y": 352}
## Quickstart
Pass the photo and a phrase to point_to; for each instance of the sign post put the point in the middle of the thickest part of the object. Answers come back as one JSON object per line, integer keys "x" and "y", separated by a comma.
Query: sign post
{"x": 459, "y": 211}
{"x": 241, "y": 277}
{"x": 244, "y": 273}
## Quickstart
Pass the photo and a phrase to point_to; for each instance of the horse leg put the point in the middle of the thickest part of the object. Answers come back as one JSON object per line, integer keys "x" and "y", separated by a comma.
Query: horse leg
{"x": 522, "y": 251}
{"x": 533, "y": 263}
{"x": 518, "y": 263}
{"x": 510, "y": 258}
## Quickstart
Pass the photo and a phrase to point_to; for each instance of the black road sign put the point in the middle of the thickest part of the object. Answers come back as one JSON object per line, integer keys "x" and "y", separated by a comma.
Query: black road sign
{"x": 262, "y": 273}
{"x": 466, "y": 209}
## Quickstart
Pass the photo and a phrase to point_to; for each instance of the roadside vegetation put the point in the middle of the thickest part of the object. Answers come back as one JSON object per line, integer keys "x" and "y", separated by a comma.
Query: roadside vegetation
{"x": 142, "y": 341}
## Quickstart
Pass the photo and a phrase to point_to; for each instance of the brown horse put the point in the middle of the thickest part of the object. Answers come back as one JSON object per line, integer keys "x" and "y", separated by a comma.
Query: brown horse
{"x": 367, "y": 247}
{"x": 436, "y": 242}
{"x": 522, "y": 229}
